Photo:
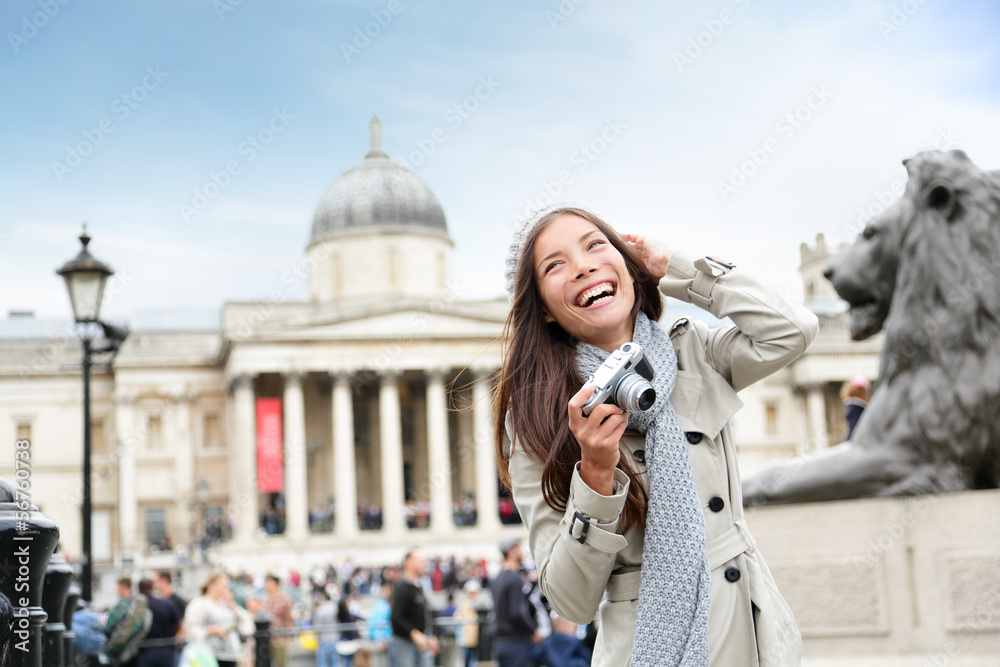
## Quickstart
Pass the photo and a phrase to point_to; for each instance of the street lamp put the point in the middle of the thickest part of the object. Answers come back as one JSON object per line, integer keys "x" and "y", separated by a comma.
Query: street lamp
{"x": 85, "y": 279}
{"x": 197, "y": 507}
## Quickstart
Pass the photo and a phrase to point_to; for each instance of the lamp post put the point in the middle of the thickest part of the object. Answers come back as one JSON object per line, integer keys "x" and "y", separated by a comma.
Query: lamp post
{"x": 197, "y": 507}
{"x": 85, "y": 280}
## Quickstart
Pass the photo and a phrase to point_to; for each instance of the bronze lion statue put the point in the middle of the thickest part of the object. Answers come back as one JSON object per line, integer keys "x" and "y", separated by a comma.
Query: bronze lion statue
{"x": 927, "y": 271}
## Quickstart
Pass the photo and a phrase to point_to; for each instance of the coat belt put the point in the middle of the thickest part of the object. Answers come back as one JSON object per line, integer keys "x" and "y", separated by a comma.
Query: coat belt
{"x": 623, "y": 586}
{"x": 721, "y": 549}
{"x": 730, "y": 544}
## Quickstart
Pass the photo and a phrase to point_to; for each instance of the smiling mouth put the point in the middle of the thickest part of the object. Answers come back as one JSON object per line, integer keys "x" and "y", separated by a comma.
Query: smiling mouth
{"x": 596, "y": 295}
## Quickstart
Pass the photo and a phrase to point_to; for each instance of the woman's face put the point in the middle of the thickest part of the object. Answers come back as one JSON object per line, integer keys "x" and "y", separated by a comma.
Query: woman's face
{"x": 583, "y": 282}
{"x": 219, "y": 586}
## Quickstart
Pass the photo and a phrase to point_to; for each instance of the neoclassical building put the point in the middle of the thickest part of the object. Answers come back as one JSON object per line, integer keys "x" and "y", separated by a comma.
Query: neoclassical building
{"x": 353, "y": 424}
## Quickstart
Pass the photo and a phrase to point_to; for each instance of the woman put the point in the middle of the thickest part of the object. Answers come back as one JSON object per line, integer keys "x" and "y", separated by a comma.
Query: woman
{"x": 216, "y": 621}
{"x": 652, "y": 541}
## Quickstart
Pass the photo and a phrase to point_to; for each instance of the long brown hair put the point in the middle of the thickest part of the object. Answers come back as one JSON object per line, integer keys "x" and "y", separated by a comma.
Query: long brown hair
{"x": 539, "y": 376}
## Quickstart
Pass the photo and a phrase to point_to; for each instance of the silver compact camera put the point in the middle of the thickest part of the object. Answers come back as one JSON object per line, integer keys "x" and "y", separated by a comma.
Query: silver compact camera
{"x": 623, "y": 379}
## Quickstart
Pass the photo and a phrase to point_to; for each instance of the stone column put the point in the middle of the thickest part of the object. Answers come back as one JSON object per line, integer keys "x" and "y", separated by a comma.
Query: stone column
{"x": 816, "y": 409}
{"x": 128, "y": 503}
{"x": 180, "y": 442}
{"x": 487, "y": 485}
{"x": 438, "y": 454}
{"x": 296, "y": 509}
{"x": 346, "y": 523}
{"x": 243, "y": 497}
{"x": 801, "y": 421}
{"x": 391, "y": 452}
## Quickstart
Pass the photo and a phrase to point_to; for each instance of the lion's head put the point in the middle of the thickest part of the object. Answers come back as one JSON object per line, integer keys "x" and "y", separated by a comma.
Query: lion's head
{"x": 935, "y": 253}
{"x": 864, "y": 274}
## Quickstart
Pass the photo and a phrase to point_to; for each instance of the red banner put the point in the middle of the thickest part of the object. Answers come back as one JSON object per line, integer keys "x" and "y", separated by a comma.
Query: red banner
{"x": 270, "y": 446}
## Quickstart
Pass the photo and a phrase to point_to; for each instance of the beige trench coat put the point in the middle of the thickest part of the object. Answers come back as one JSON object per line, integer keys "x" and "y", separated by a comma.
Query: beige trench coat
{"x": 585, "y": 567}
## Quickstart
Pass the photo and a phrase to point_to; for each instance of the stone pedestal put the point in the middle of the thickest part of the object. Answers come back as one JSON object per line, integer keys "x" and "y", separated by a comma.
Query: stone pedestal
{"x": 889, "y": 577}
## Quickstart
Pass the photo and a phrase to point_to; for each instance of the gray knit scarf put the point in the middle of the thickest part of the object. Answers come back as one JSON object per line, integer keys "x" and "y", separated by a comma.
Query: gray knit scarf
{"x": 672, "y": 623}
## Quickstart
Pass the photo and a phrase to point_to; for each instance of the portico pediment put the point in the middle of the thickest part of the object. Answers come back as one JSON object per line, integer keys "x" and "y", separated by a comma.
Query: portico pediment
{"x": 376, "y": 321}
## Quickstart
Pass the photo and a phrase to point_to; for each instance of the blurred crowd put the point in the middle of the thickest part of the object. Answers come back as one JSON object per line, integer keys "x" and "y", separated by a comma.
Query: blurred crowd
{"x": 420, "y": 612}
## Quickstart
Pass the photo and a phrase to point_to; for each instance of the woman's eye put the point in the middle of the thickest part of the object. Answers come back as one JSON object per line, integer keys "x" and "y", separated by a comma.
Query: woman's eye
{"x": 595, "y": 243}
{"x": 550, "y": 266}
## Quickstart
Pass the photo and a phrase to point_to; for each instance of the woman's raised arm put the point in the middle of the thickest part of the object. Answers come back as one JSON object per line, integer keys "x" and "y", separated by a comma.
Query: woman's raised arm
{"x": 770, "y": 330}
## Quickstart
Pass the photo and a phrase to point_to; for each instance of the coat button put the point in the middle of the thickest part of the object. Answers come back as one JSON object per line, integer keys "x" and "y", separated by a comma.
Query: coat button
{"x": 693, "y": 437}
{"x": 716, "y": 504}
{"x": 639, "y": 455}
{"x": 732, "y": 573}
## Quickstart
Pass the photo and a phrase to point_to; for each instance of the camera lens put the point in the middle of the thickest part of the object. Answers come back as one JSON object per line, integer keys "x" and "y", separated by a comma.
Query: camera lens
{"x": 634, "y": 393}
{"x": 646, "y": 399}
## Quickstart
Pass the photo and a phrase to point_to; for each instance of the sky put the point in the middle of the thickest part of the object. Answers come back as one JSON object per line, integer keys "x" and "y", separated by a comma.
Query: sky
{"x": 196, "y": 139}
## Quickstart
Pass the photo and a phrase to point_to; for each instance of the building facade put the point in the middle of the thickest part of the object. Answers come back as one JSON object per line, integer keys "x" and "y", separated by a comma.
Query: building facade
{"x": 354, "y": 424}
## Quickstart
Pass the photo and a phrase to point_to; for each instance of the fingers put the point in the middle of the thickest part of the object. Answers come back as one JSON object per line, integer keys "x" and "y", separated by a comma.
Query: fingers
{"x": 604, "y": 426}
{"x": 580, "y": 397}
{"x": 635, "y": 239}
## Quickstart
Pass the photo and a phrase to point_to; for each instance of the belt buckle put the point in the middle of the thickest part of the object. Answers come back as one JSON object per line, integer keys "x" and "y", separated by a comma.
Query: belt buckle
{"x": 586, "y": 526}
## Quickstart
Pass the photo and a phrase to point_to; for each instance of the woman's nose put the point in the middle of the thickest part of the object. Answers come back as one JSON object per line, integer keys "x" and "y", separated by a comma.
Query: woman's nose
{"x": 584, "y": 266}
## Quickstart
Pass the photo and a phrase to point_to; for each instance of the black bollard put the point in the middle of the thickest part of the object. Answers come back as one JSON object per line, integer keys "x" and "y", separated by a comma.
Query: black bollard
{"x": 69, "y": 654}
{"x": 58, "y": 577}
{"x": 262, "y": 654}
{"x": 27, "y": 540}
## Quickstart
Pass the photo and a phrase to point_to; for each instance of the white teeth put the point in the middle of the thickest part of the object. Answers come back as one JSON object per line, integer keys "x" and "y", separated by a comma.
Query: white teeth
{"x": 594, "y": 291}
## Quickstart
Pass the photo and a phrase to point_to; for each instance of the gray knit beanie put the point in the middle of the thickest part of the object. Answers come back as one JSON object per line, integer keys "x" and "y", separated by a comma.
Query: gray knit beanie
{"x": 521, "y": 235}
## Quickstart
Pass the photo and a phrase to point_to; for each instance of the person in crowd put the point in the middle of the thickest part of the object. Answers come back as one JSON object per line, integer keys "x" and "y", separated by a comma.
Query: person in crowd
{"x": 467, "y": 635}
{"x": 379, "y": 628}
{"x": 855, "y": 395}
{"x": 88, "y": 631}
{"x": 410, "y": 638}
{"x": 324, "y": 620}
{"x": 214, "y": 620}
{"x": 280, "y": 609}
{"x": 126, "y": 624}
{"x": 166, "y": 622}
{"x": 347, "y": 619}
{"x": 563, "y": 648}
{"x": 164, "y": 587}
{"x": 644, "y": 506}
{"x": 516, "y": 630}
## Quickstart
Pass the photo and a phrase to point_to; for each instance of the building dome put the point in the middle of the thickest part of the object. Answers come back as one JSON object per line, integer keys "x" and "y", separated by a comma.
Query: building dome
{"x": 377, "y": 195}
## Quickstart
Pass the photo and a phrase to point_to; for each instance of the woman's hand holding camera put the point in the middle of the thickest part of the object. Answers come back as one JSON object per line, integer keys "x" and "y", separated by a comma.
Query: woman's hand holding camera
{"x": 598, "y": 436}
{"x": 654, "y": 254}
